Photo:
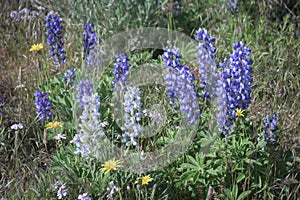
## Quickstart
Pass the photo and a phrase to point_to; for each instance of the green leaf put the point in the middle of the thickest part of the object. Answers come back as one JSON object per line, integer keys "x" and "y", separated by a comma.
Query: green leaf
{"x": 240, "y": 178}
{"x": 211, "y": 171}
{"x": 244, "y": 195}
{"x": 68, "y": 101}
{"x": 228, "y": 194}
{"x": 235, "y": 191}
{"x": 292, "y": 181}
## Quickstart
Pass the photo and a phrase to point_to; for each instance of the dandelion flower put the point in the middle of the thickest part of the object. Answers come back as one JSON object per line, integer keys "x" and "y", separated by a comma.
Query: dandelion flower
{"x": 239, "y": 112}
{"x": 145, "y": 180}
{"x": 54, "y": 125}
{"x": 110, "y": 165}
{"x": 36, "y": 47}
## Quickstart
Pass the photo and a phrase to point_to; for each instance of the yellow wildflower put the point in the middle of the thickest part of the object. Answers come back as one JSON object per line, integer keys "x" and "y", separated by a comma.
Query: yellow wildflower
{"x": 36, "y": 47}
{"x": 145, "y": 180}
{"x": 239, "y": 112}
{"x": 110, "y": 165}
{"x": 54, "y": 125}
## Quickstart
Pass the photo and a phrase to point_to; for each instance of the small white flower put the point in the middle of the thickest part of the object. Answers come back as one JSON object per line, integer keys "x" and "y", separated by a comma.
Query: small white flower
{"x": 59, "y": 136}
{"x": 20, "y": 86}
{"x": 62, "y": 191}
{"x": 143, "y": 156}
{"x": 104, "y": 124}
{"x": 56, "y": 185}
{"x": 84, "y": 196}
{"x": 40, "y": 8}
{"x": 17, "y": 126}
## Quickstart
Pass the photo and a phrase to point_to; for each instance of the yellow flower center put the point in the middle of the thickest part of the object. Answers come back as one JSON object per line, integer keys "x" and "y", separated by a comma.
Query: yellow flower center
{"x": 110, "y": 165}
{"x": 145, "y": 180}
{"x": 54, "y": 125}
{"x": 36, "y": 47}
{"x": 239, "y": 112}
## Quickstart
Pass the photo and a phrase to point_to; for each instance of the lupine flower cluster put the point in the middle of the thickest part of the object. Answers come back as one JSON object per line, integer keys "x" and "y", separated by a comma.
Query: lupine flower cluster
{"x": 26, "y": 14}
{"x": 121, "y": 70}
{"x": 94, "y": 57}
{"x": 233, "y": 5}
{"x": 270, "y": 126}
{"x": 237, "y": 80}
{"x": 179, "y": 84}
{"x": 54, "y": 34}
{"x": 43, "y": 105}
{"x": 88, "y": 140}
{"x": 206, "y": 58}
{"x": 133, "y": 114}
{"x": 171, "y": 59}
{"x": 69, "y": 76}
{"x": 220, "y": 94}
{"x": 231, "y": 84}
{"x": 84, "y": 89}
{"x": 89, "y": 38}
{"x": 176, "y": 7}
{"x": 211, "y": 83}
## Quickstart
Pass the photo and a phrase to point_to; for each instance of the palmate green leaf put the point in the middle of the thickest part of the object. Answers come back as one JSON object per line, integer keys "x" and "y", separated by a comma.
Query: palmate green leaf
{"x": 194, "y": 168}
{"x": 189, "y": 166}
{"x": 193, "y": 176}
{"x": 197, "y": 161}
{"x": 212, "y": 172}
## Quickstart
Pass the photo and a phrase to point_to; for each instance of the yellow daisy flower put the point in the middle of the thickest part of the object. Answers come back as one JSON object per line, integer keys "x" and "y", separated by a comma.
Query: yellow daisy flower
{"x": 54, "y": 125}
{"x": 145, "y": 180}
{"x": 110, "y": 165}
{"x": 239, "y": 112}
{"x": 36, "y": 47}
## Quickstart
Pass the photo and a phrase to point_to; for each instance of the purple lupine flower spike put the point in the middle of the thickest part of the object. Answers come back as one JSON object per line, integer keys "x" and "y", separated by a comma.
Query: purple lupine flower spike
{"x": 179, "y": 84}
{"x": 43, "y": 105}
{"x": 54, "y": 39}
{"x": 90, "y": 39}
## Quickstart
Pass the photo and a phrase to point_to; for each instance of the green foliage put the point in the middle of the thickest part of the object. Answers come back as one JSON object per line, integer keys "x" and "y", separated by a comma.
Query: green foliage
{"x": 114, "y": 16}
{"x": 233, "y": 194}
{"x": 238, "y": 166}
